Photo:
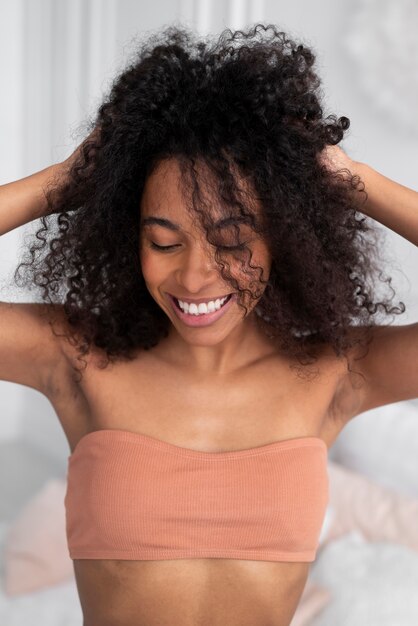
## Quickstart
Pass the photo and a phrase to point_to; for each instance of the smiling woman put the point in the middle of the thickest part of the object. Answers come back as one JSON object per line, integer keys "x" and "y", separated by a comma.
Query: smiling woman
{"x": 242, "y": 120}
{"x": 204, "y": 257}
{"x": 188, "y": 271}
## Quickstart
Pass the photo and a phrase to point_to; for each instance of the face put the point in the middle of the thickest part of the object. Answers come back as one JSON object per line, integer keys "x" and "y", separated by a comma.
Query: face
{"x": 178, "y": 262}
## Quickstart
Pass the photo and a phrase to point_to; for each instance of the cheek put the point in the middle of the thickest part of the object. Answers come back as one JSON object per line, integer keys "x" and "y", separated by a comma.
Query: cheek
{"x": 260, "y": 260}
{"x": 148, "y": 266}
{"x": 154, "y": 269}
{"x": 144, "y": 260}
{"x": 264, "y": 259}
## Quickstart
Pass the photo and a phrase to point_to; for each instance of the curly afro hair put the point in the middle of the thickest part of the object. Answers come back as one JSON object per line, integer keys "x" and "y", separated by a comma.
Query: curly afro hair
{"x": 248, "y": 102}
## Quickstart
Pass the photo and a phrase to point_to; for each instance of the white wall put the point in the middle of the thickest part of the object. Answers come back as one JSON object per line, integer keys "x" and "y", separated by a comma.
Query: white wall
{"x": 56, "y": 58}
{"x": 373, "y": 137}
{"x": 11, "y": 156}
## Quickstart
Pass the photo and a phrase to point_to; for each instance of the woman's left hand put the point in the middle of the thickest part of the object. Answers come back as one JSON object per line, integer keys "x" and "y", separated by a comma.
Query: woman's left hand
{"x": 388, "y": 202}
{"x": 334, "y": 158}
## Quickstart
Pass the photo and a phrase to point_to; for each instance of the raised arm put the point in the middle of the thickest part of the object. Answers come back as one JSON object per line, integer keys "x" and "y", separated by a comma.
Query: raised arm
{"x": 391, "y": 364}
{"x": 31, "y": 353}
{"x": 388, "y": 202}
{"x": 24, "y": 200}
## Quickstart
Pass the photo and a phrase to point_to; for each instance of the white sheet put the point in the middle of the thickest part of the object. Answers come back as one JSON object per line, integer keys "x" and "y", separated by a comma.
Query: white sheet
{"x": 373, "y": 583}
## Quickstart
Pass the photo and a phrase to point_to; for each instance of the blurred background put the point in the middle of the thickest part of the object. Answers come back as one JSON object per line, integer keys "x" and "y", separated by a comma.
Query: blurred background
{"x": 57, "y": 59}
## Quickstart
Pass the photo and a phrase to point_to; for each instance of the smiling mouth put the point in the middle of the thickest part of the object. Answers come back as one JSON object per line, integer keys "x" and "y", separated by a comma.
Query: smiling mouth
{"x": 197, "y": 302}
{"x": 228, "y": 297}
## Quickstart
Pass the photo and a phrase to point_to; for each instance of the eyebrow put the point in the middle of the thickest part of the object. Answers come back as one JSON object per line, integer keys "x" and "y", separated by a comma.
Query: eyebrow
{"x": 173, "y": 226}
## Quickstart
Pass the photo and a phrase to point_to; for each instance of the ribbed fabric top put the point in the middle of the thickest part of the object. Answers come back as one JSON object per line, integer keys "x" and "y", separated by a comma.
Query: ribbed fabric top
{"x": 130, "y": 496}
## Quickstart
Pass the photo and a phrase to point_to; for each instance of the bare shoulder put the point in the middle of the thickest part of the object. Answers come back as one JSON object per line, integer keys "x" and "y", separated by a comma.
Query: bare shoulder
{"x": 30, "y": 350}
{"x": 383, "y": 366}
{"x": 62, "y": 383}
{"x": 352, "y": 381}
{"x": 73, "y": 364}
{"x": 38, "y": 346}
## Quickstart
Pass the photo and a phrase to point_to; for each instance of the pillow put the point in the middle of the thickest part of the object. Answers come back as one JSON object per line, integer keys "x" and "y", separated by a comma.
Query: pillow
{"x": 314, "y": 598}
{"x": 35, "y": 551}
{"x": 53, "y": 606}
{"x": 30, "y": 468}
{"x": 379, "y": 513}
{"x": 370, "y": 583}
{"x": 381, "y": 444}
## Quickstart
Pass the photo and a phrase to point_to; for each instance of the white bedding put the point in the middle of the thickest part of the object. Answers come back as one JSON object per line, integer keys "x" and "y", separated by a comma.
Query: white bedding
{"x": 56, "y": 606}
{"x": 372, "y": 584}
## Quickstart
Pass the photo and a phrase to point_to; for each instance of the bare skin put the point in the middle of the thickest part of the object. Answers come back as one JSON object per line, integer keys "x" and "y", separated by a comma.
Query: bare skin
{"x": 222, "y": 387}
{"x": 192, "y": 414}
{"x": 219, "y": 388}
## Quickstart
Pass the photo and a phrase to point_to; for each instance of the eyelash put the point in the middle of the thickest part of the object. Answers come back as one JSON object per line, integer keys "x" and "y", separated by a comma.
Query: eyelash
{"x": 167, "y": 248}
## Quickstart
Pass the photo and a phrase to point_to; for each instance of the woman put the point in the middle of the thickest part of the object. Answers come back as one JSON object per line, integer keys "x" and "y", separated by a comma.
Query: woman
{"x": 211, "y": 269}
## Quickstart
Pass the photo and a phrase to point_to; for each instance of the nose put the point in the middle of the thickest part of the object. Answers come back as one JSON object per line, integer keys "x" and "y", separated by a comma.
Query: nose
{"x": 198, "y": 269}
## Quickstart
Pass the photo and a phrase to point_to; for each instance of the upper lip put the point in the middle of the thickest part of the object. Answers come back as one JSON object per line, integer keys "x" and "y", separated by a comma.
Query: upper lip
{"x": 200, "y": 300}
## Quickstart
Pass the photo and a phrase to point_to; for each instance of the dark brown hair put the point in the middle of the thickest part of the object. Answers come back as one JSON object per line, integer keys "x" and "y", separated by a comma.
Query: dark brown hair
{"x": 247, "y": 101}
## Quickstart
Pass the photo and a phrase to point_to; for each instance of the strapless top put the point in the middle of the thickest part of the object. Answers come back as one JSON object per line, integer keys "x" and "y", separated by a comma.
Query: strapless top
{"x": 130, "y": 496}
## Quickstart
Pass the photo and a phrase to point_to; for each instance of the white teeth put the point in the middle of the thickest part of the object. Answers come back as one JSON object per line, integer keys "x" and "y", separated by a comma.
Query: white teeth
{"x": 203, "y": 307}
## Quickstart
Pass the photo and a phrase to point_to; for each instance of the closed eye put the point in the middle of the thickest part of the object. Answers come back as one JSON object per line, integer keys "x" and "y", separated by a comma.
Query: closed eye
{"x": 162, "y": 248}
{"x": 241, "y": 246}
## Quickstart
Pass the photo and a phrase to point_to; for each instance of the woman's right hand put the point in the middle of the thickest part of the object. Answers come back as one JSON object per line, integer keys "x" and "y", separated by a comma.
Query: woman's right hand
{"x": 65, "y": 165}
{"x": 24, "y": 200}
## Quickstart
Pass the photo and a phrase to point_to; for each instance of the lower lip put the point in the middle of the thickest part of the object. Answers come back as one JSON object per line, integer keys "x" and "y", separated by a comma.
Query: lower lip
{"x": 201, "y": 320}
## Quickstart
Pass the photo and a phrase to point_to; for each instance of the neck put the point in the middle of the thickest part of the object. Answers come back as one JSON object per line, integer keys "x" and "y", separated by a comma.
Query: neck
{"x": 244, "y": 344}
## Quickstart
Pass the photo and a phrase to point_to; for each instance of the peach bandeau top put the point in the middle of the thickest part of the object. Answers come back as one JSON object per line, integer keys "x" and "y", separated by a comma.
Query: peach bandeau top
{"x": 133, "y": 497}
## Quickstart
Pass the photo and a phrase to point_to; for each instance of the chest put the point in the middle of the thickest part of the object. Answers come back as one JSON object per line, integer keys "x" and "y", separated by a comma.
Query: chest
{"x": 253, "y": 407}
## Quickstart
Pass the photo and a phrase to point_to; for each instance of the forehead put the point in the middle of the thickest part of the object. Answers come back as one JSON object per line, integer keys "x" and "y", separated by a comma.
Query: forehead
{"x": 170, "y": 193}
{"x": 163, "y": 184}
